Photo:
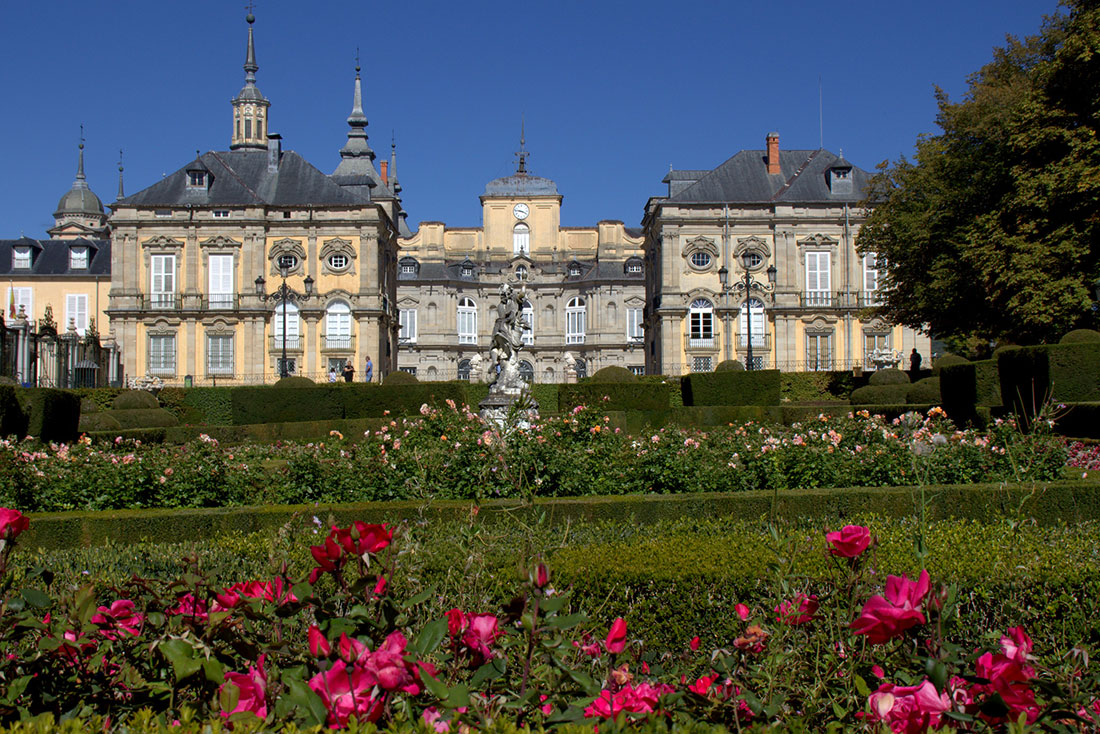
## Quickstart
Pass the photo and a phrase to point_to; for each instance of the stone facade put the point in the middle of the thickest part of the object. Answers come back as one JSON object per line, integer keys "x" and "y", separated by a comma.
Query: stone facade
{"x": 189, "y": 253}
{"x": 795, "y": 211}
{"x": 585, "y": 288}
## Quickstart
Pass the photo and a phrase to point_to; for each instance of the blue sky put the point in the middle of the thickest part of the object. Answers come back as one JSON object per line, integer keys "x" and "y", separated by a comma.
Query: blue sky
{"x": 612, "y": 92}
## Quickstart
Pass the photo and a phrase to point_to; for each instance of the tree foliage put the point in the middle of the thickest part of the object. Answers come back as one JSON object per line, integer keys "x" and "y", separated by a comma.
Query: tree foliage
{"x": 990, "y": 231}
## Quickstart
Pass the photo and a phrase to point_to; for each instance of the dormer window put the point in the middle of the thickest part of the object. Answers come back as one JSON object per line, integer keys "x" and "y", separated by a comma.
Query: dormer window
{"x": 408, "y": 267}
{"x": 78, "y": 258}
{"x": 574, "y": 270}
{"x": 633, "y": 267}
{"x": 840, "y": 178}
{"x": 467, "y": 271}
{"x": 21, "y": 258}
{"x": 221, "y": 214}
{"x": 196, "y": 179}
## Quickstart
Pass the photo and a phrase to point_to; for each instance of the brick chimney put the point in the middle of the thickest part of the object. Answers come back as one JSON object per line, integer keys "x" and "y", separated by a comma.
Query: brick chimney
{"x": 385, "y": 166}
{"x": 773, "y": 152}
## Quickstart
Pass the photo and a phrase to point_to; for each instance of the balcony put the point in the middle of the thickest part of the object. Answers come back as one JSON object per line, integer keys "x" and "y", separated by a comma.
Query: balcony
{"x": 338, "y": 343}
{"x": 574, "y": 338}
{"x": 221, "y": 302}
{"x": 869, "y": 298}
{"x": 293, "y": 343}
{"x": 759, "y": 341}
{"x": 817, "y": 299}
{"x": 702, "y": 342}
{"x": 161, "y": 302}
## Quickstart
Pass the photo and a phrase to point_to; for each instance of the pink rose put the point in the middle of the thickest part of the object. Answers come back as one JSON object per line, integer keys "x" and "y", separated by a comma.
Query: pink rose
{"x": 694, "y": 644}
{"x": 119, "y": 617}
{"x": 799, "y": 611}
{"x": 742, "y": 612}
{"x": 850, "y": 541}
{"x": 481, "y": 633}
{"x": 346, "y": 693}
{"x": 908, "y": 709}
{"x": 456, "y": 622}
{"x": 12, "y": 523}
{"x": 253, "y": 690}
{"x": 884, "y": 618}
{"x": 319, "y": 645}
{"x": 616, "y": 636}
{"x": 1017, "y": 645}
{"x": 387, "y": 664}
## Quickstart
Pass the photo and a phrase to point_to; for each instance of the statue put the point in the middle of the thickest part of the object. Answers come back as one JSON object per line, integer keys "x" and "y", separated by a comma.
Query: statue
{"x": 506, "y": 384}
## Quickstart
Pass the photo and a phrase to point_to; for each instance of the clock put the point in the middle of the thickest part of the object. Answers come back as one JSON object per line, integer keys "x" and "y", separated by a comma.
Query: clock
{"x": 521, "y": 211}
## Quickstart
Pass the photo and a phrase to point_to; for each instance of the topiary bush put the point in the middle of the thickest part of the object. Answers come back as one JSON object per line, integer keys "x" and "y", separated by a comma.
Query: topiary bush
{"x": 400, "y": 378}
{"x": 888, "y": 377}
{"x": 295, "y": 381}
{"x": 142, "y": 418}
{"x": 880, "y": 394}
{"x": 620, "y": 396}
{"x": 729, "y": 365}
{"x": 13, "y": 419}
{"x": 945, "y": 359}
{"x": 1079, "y": 336}
{"x": 135, "y": 400}
{"x": 756, "y": 387}
{"x": 613, "y": 374}
{"x": 52, "y": 415}
{"x": 95, "y": 422}
{"x": 923, "y": 392}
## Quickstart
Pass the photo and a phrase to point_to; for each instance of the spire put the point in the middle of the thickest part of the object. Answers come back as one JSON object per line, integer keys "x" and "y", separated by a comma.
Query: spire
{"x": 522, "y": 152}
{"x": 250, "y": 126}
{"x": 81, "y": 182}
{"x": 393, "y": 164}
{"x": 357, "y": 146}
{"x": 120, "y": 194}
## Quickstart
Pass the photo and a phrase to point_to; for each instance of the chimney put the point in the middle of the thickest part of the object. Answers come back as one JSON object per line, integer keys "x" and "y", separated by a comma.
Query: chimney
{"x": 274, "y": 151}
{"x": 385, "y": 166}
{"x": 773, "y": 152}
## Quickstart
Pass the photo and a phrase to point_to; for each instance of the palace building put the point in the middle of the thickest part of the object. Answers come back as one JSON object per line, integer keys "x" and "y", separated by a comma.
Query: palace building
{"x": 788, "y": 220}
{"x": 200, "y": 259}
{"x": 585, "y": 288}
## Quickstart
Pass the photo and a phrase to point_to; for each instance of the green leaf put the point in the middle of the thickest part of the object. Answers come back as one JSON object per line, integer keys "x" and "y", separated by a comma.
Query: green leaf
{"x": 567, "y": 622}
{"x": 430, "y": 636}
{"x": 214, "y": 670}
{"x": 937, "y": 673}
{"x": 838, "y": 710}
{"x": 436, "y": 686}
{"x": 420, "y": 598}
{"x": 491, "y": 670}
{"x": 301, "y": 699}
{"x": 458, "y": 696}
{"x": 228, "y": 697}
{"x": 583, "y": 680}
{"x": 861, "y": 686}
{"x": 182, "y": 657}
{"x": 37, "y": 599}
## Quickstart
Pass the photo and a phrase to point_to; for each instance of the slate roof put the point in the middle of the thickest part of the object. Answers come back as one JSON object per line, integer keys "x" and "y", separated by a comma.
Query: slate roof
{"x": 521, "y": 184}
{"x": 50, "y": 258}
{"x": 242, "y": 178}
{"x": 744, "y": 178}
{"x": 590, "y": 271}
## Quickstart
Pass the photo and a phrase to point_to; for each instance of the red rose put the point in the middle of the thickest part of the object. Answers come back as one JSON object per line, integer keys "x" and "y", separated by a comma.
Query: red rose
{"x": 850, "y": 541}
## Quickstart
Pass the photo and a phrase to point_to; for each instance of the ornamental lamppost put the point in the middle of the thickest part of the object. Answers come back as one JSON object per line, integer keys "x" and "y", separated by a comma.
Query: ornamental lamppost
{"x": 285, "y": 295}
{"x": 749, "y": 260}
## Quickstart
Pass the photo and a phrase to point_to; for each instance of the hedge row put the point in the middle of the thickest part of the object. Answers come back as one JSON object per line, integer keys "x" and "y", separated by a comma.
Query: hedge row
{"x": 352, "y": 428}
{"x": 619, "y": 396}
{"x": 1049, "y": 503}
{"x": 758, "y": 387}
{"x": 42, "y": 412}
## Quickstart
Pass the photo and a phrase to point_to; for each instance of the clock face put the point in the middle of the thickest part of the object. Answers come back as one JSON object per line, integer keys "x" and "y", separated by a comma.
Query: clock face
{"x": 521, "y": 211}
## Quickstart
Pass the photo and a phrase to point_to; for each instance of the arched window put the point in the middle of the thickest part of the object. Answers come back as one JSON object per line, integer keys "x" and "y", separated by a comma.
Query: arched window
{"x": 581, "y": 368}
{"x": 464, "y": 370}
{"x": 338, "y": 326}
{"x": 753, "y": 309}
{"x": 701, "y": 323}
{"x": 575, "y": 321}
{"x": 526, "y": 371}
{"x": 529, "y": 316}
{"x": 293, "y": 327}
{"x": 467, "y": 321}
{"x": 521, "y": 239}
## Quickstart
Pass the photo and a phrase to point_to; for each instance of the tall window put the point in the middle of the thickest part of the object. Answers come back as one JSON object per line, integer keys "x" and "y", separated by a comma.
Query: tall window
{"x": 467, "y": 321}
{"x": 76, "y": 311}
{"x": 21, "y": 258}
{"x": 407, "y": 319}
{"x": 162, "y": 354}
{"x": 870, "y": 280}
{"x": 219, "y": 354}
{"x": 19, "y": 297}
{"x": 293, "y": 327}
{"x": 575, "y": 317}
{"x": 528, "y": 335}
{"x": 817, "y": 279}
{"x": 162, "y": 287}
{"x": 338, "y": 326}
{"x": 526, "y": 371}
{"x": 521, "y": 239}
{"x": 819, "y": 352}
{"x": 701, "y": 323}
{"x": 464, "y": 370}
{"x": 220, "y": 291}
{"x": 752, "y": 313}
{"x": 634, "y": 330}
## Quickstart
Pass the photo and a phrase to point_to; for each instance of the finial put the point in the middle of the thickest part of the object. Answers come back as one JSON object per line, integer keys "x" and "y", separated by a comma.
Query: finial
{"x": 393, "y": 163}
{"x": 80, "y": 158}
{"x": 522, "y": 152}
{"x": 250, "y": 18}
{"x": 356, "y": 61}
{"x": 120, "y": 194}
{"x": 250, "y": 65}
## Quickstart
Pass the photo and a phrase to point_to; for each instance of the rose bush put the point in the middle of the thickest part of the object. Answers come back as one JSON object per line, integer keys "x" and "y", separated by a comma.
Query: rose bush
{"x": 334, "y": 649}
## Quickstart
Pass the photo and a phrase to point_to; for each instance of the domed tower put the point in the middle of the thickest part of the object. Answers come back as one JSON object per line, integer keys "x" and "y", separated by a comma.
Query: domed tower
{"x": 80, "y": 212}
{"x": 250, "y": 106}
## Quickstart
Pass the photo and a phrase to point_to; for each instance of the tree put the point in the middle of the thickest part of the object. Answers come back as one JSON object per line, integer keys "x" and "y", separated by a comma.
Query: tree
{"x": 990, "y": 232}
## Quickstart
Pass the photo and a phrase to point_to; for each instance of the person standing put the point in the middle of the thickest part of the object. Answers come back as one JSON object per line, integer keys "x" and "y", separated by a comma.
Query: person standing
{"x": 349, "y": 372}
{"x": 914, "y": 361}
{"x": 332, "y": 374}
{"x": 368, "y": 370}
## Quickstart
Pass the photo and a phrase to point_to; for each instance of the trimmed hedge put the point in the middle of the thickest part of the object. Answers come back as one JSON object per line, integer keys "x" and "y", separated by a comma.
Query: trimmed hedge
{"x": 756, "y": 387}
{"x": 1061, "y": 373}
{"x": 888, "y": 377}
{"x": 946, "y": 359}
{"x": 730, "y": 365}
{"x": 13, "y": 421}
{"x": 1078, "y": 336}
{"x": 52, "y": 415}
{"x": 363, "y": 400}
{"x": 98, "y": 421}
{"x": 1079, "y": 420}
{"x": 400, "y": 378}
{"x": 282, "y": 404}
{"x": 967, "y": 387}
{"x": 613, "y": 374}
{"x": 143, "y": 418}
{"x": 801, "y": 387}
{"x": 135, "y": 400}
{"x": 1048, "y": 503}
{"x": 881, "y": 394}
{"x": 924, "y": 391}
{"x": 622, "y": 396}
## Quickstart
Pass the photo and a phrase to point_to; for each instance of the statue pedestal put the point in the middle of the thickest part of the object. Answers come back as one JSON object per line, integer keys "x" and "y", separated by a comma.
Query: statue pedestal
{"x": 497, "y": 406}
